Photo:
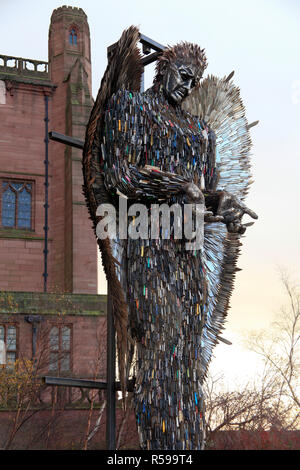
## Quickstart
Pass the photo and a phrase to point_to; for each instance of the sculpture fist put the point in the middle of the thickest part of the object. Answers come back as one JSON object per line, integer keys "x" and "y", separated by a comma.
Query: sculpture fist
{"x": 232, "y": 211}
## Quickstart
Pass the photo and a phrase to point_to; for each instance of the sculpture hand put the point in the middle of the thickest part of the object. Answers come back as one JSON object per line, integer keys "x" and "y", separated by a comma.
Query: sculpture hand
{"x": 232, "y": 211}
{"x": 209, "y": 217}
{"x": 196, "y": 196}
{"x": 194, "y": 193}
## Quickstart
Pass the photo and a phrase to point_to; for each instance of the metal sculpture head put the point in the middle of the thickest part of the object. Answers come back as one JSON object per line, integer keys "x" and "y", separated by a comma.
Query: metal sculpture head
{"x": 179, "y": 70}
{"x": 178, "y": 81}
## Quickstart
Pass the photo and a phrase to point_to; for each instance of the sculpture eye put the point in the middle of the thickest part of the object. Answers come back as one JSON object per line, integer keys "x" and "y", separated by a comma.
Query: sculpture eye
{"x": 184, "y": 76}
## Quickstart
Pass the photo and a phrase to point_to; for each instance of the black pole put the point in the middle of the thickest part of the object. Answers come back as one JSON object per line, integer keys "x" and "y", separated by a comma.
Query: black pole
{"x": 46, "y": 206}
{"x": 110, "y": 377}
{"x": 34, "y": 320}
{"x": 66, "y": 139}
{"x": 83, "y": 383}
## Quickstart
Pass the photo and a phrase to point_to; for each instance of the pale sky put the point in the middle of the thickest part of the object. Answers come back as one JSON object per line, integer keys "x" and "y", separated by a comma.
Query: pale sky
{"x": 260, "y": 40}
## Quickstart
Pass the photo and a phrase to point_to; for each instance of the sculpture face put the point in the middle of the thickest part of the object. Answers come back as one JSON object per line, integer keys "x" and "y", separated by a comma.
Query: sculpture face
{"x": 178, "y": 81}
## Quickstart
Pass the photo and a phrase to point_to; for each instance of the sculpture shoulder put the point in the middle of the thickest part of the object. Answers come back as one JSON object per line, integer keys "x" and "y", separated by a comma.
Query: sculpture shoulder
{"x": 149, "y": 108}
{"x": 125, "y": 99}
{"x": 131, "y": 109}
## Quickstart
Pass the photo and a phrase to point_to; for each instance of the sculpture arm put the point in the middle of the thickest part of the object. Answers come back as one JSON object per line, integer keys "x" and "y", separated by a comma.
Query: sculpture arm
{"x": 230, "y": 210}
{"x": 144, "y": 182}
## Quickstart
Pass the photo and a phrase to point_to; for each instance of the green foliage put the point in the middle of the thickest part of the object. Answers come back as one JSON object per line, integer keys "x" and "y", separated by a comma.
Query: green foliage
{"x": 8, "y": 302}
{"x": 19, "y": 386}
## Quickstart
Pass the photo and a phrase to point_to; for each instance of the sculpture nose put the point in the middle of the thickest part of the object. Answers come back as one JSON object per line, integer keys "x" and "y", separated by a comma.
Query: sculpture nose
{"x": 188, "y": 84}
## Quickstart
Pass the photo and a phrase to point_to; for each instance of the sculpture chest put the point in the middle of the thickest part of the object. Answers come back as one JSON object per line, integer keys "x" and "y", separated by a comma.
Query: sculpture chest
{"x": 148, "y": 131}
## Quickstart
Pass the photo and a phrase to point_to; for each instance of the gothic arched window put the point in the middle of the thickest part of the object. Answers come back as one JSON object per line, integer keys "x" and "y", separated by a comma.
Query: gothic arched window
{"x": 73, "y": 37}
{"x": 16, "y": 204}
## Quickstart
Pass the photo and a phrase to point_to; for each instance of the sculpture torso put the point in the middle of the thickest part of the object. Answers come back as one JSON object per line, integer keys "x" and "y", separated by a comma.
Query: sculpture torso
{"x": 152, "y": 132}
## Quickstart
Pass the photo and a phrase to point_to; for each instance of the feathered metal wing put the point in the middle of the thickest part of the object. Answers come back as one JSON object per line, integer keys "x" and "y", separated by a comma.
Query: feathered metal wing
{"x": 218, "y": 102}
{"x": 124, "y": 70}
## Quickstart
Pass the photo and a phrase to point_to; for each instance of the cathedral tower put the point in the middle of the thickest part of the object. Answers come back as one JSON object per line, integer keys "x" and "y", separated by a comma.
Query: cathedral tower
{"x": 73, "y": 258}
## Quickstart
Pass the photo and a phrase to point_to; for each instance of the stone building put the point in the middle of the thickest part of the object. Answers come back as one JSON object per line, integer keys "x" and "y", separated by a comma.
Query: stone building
{"x": 48, "y": 251}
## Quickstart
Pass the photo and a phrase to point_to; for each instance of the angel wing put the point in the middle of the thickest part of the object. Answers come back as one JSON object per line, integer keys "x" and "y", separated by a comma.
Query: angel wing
{"x": 124, "y": 70}
{"x": 219, "y": 103}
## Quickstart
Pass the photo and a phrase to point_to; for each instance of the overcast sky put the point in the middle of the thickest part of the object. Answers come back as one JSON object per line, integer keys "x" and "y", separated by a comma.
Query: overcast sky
{"x": 260, "y": 41}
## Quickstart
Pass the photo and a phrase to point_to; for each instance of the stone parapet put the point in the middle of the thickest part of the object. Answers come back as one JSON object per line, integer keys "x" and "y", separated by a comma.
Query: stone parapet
{"x": 18, "y": 67}
{"x": 63, "y": 10}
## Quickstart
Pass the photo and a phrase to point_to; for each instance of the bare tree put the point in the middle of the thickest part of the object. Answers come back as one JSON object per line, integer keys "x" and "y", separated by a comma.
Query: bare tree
{"x": 21, "y": 388}
{"x": 22, "y": 392}
{"x": 271, "y": 400}
{"x": 91, "y": 431}
{"x": 255, "y": 406}
{"x": 279, "y": 349}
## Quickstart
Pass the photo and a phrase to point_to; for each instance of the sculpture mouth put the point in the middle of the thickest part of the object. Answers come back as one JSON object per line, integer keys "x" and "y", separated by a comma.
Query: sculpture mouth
{"x": 179, "y": 94}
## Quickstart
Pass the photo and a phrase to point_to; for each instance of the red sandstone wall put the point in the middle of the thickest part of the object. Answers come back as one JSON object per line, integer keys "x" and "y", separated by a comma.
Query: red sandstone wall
{"x": 22, "y": 151}
{"x": 72, "y": 259}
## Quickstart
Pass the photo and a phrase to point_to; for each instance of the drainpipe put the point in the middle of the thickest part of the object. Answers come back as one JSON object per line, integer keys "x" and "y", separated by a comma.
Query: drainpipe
{"x": 46, "y": 205}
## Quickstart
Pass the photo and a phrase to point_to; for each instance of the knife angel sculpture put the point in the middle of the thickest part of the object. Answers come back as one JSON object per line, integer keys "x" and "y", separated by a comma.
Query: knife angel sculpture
{"x": 181, "y": 142}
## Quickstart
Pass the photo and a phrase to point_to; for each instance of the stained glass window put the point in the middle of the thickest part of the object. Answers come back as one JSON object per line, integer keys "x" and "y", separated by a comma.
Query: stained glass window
{"x": 60, "y": 348}
{"x": 73, "y": 37}
{"x": 16, "y": 205}
{"x": 8, "y": 207}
